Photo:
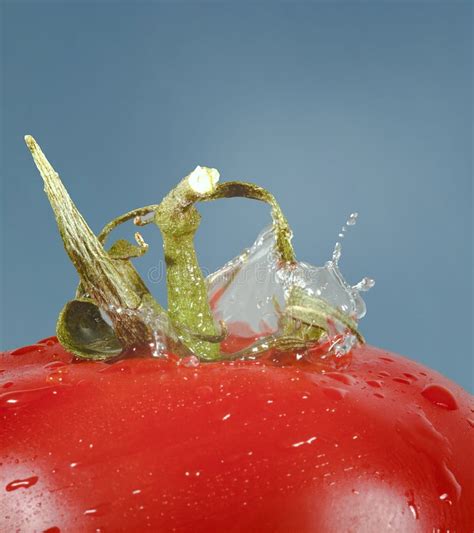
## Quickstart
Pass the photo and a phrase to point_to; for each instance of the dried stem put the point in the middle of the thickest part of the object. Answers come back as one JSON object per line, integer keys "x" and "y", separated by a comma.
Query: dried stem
{"x": 110, "y": 287}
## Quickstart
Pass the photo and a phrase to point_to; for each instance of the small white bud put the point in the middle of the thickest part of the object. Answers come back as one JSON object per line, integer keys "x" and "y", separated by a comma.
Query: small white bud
{"x": 203, "y": 180}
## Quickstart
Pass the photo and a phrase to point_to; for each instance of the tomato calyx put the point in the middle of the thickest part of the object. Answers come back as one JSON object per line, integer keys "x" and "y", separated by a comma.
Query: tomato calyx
{"x": 113, "y": 312}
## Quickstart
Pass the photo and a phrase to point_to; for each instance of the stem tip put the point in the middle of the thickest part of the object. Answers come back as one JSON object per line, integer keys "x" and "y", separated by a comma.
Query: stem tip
{"x": 203, "y": 180}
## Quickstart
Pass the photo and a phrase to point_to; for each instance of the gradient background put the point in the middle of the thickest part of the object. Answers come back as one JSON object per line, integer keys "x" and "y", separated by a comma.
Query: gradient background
{"x": 335, "y": 107}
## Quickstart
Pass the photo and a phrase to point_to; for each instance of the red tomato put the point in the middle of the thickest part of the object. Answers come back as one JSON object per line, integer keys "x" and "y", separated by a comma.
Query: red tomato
{"x": 256, "y": 446}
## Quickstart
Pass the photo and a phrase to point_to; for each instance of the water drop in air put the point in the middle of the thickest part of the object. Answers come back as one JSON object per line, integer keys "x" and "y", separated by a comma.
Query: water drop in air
{"x": 364, "y": 284}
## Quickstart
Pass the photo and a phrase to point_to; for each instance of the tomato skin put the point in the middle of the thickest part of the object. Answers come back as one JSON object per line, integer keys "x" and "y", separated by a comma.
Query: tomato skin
{"x": 146, "y": 444}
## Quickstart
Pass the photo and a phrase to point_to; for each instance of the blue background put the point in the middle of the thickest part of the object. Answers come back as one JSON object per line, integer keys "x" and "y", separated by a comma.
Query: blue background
{"x": 335, "y": 107}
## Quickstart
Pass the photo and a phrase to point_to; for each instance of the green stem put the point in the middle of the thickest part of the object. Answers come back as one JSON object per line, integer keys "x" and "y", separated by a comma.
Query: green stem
{"x": 188, "y": 303}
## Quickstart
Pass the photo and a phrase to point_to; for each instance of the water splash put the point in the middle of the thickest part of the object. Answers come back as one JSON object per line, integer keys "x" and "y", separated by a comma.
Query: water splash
{"x": 365, "y": 283}
{"x": 251, "y": 292}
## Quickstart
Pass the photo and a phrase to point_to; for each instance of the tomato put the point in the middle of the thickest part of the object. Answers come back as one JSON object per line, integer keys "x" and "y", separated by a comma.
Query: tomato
{"x": 328, "y": 439}
{"x": 269, "y": 445}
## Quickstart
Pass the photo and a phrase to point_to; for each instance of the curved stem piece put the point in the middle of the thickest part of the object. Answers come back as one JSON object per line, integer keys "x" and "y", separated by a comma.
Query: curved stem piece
{"x": 136, "y": 214}
{"x": 237, "y": 189}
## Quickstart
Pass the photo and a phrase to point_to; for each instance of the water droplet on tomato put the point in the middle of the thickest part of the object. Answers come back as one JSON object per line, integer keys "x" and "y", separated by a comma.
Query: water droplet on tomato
{"x": 190, "y": 362}
{"x": 334, "y": 393}
{"x": 54, "y": 364}
{"x": 52, "y": 530}
{"x": 21, "y": 483}
{"x": 401, "y": 380}
{"x": 49, "y": 341}
{"x": 374, "y": 383}
{"x": 7, "y": 384}
{"x": 386, "y": 359}
{"x": 98, "y": 510}
{"x": 342, "y": 378}
{"x": 418, "y": 432}
{"x": 445, "y": 498}
{"x": 410, "y": 376}
{"x": 440, "y": 396}
{"x": 410, "y": 494}
{"x": 302, "y": 442}
{"x": 204, "y": 392}
{"x": 38, "y": 348}
{"x": 455, "y": 488}
{"x": 470, "y": 421}
{"x": 378, "y": 395}
{"x": 19, "y": 398}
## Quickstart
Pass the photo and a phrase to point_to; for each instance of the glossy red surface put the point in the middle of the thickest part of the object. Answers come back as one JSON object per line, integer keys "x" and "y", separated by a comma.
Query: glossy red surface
{"x": 144, "y": 444}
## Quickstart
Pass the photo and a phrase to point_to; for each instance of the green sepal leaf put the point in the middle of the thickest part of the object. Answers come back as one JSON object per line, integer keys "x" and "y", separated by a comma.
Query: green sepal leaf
{"x": 82, "y": 330}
